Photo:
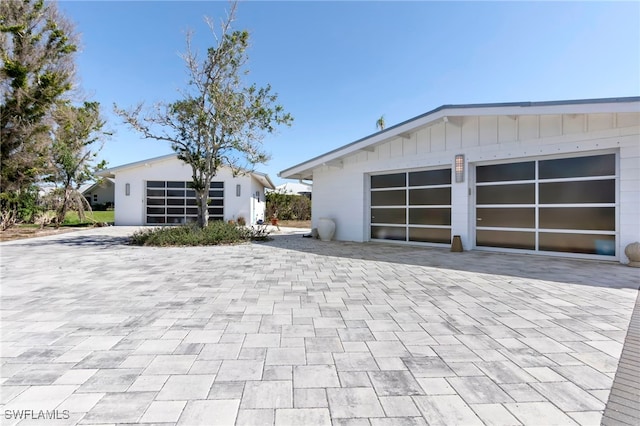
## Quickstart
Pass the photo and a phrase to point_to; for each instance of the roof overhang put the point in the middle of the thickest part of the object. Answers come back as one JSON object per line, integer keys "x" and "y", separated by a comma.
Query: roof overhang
{"x": 263, "y": 178}
{"x": 447, "y": 113}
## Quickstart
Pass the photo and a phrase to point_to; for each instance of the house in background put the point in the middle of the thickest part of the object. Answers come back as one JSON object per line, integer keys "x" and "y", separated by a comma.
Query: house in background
{"x": 100, "y": 193}
{"x": 295, "y": 188}
{"x": 156, "y": 192}
{"x": 555, "y": 178}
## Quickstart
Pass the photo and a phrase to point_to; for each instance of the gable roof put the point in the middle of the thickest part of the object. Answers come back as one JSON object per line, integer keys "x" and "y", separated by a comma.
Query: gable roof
{"x": 304, "y": 170}
{"x": 263, "y": 178}
{"x": 88, "y": 187}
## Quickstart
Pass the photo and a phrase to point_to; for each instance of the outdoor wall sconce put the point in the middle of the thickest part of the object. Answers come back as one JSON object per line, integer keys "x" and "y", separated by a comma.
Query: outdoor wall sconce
{"x": 459, "y": 163}
{"x": 238, "y": 190}
{"x": 127, "y": 189}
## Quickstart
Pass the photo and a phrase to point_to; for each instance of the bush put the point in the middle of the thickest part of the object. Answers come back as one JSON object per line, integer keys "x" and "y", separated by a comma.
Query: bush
{"x": 215, "y": 233}
{"x": 288, "y": 206}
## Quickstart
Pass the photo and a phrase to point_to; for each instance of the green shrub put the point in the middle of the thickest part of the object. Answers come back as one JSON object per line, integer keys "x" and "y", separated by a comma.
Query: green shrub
{"x": 288, "y": 206}
{"x": 216, "y": 233}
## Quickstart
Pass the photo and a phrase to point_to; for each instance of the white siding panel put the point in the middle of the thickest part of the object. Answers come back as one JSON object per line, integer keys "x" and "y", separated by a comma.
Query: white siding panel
{"x": 470, "y": 131}
{"x": 384, "y": 151}
{"x": 453, "y": 132}
{"x": 528, "y": 127}
{"x": 573, "y": 123}
{"x": 409, "y": 147}
{"x": 550, "y": 125}
{"x": 488, "y": 130}
{"x": 599, "y": 122}
{"x": 438, "y": 143}
{"x": 627, "y": 119}
{"x": 423, "y": 140}
{"x": 507, "y": 128}
{"x": 396, "y": 148}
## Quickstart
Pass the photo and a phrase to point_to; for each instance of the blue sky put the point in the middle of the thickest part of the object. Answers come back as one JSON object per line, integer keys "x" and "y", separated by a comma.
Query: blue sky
{"x": 339, "y": 66}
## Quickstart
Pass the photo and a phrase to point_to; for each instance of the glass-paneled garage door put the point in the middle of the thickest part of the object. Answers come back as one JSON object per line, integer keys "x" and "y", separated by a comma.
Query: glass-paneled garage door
{"x": 412, "y": 206}
{"x": 563, "y": 205}
{"x": 174, "y": 202}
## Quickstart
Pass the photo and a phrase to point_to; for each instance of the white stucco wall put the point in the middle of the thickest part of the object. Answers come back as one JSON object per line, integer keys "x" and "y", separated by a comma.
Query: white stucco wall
{"x": 341, "y": 191}
{"x": 130, "y": 210}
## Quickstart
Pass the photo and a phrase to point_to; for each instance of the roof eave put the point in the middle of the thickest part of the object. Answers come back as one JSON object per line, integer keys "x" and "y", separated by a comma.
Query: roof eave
{"x": 305, "y": 170}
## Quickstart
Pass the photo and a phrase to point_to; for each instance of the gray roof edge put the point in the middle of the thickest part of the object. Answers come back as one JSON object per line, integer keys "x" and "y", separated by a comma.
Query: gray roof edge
{"x": 470, "y": 106}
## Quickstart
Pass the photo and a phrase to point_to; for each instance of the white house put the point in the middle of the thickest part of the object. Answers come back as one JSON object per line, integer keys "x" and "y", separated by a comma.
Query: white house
{"x": 554, "y": 178}
{"x": 156, "y": 192}
{"x": 101, "y": 192}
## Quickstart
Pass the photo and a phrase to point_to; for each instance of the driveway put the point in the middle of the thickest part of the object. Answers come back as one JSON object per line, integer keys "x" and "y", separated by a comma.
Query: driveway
{"x": 302, "y": 332}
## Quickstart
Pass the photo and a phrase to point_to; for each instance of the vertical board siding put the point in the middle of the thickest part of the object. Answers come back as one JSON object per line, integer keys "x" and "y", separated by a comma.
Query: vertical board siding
{"x": 488, "y": 130}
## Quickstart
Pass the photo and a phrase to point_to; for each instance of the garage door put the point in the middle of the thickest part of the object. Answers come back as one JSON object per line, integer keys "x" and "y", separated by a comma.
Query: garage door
{"x": 412, "y": 206}
{"x": 565, "y": 205}
{"x": 174, "y": 202}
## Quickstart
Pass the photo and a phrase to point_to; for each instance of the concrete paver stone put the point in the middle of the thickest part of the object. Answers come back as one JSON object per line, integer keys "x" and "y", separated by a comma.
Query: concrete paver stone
{"x": 297, "y": 331}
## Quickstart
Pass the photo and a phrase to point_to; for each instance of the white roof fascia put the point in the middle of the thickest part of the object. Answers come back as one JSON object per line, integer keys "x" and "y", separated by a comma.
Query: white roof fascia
{"x": 304, "y": 169}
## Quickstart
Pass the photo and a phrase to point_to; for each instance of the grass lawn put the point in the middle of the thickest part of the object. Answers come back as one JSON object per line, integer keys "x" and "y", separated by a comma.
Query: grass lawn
{"x": 90, "y": 217}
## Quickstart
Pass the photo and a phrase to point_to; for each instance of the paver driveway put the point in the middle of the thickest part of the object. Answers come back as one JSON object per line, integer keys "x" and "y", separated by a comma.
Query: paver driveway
{"x": 303, "y": 332}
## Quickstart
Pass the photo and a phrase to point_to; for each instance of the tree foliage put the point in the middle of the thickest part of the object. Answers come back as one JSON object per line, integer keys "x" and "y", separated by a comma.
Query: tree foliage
{"x": 37, "y": 46}
{"x": 220, "y": 120}
{"x": 77, "y": 137}
{"x": 285, "y": 206}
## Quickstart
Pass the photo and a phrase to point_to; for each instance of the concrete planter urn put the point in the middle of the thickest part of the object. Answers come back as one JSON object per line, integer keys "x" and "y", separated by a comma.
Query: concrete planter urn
{"x": 326, "y": 229}
{"x": 633, "y": 253}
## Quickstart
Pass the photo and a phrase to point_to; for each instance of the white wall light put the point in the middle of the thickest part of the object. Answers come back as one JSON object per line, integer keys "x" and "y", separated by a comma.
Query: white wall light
{"x": 459, "y": 163}
{"x": 127, "y": 189}
{"x": 238, "y": 190}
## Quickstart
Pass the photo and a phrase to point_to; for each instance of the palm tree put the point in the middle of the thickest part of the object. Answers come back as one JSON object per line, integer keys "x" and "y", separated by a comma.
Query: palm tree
{"x": 380, "y": 123}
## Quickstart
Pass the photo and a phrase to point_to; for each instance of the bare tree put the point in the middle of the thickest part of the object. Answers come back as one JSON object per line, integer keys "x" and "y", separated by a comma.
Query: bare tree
{"x": 77, "y": 138}
{"x": 220, "y": 120}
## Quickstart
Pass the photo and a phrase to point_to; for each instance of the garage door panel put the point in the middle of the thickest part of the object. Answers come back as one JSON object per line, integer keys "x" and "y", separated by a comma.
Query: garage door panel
{"x": 578, "y": 243}
{"x": 435, "y": 216}
{"x": 516, "y": 217}
{"x": 419, "y": 198}
{"x": 597, "y": 165}
{"x": 507, "y": 194}
{"x": 506, "y": 172}
{"x": 430, "y": 235}
{"x": 388, "y": 233}
{"x": 598, "y": 191}
{"x": 595, "y": 218}
{"x": 430, "y": 196}
{"x": 389, "y": 181}
{"x": 388, "y": 216}
{"x": 170, "y": 202}
{"x": 389, "y": 198}
{"x": 430, "y": 177}
{"x": 506, "y": 239}
{"x": 569, "y": 204}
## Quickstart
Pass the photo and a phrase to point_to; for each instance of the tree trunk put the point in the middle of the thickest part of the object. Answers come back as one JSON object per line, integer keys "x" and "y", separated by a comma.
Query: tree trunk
{"x": 62, "y": 210}
{"x": 202, "y": 196}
